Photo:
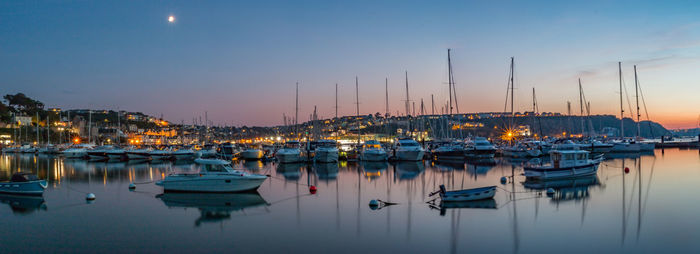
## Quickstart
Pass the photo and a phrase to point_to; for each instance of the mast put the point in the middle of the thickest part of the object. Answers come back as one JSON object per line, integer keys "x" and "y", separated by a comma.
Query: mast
{"x": 48, "y": 131}
{"x": 119, "y": 127}
{"x": 408, "y": 107}
{"x": 449, "y": 78}
{"x": 89, "y": 126}
{"x": 622, "y": 109}
{"x": 580, "y": 97}
{"x": 386, "y": 87}
{"x": 37, "y": 128}
{"x": 357, "y": 104}
{"x": 296, "y": 113}
{"x": 636, "y": 95}
{"x": 432, "y": 102}
{"x": 336, "y": 100}
{"x": 512, "y": 84}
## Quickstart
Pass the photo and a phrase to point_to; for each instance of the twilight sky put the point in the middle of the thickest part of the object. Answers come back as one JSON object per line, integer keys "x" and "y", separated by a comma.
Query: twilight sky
{"x": 239, "y": 60}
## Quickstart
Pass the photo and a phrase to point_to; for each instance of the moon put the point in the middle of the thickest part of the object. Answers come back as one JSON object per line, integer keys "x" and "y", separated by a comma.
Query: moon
{"x": 171, "y": 19}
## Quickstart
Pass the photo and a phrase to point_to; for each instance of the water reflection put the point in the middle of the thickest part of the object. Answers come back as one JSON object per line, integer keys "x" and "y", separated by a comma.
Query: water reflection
{"x": 213, "y": 207}
{"x": 22, "y": 205}
{"x": 628, "y": 210}
{"x": 373, "y": 169}
{"x": 407, "y": 170}
{"x": 326, "y": 171}
{"x": 290, "y": 171}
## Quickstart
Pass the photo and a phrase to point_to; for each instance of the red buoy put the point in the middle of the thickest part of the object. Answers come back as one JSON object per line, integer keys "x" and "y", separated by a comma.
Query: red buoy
{"x": 312, "y": 189}
{"x": 627, "y": 170}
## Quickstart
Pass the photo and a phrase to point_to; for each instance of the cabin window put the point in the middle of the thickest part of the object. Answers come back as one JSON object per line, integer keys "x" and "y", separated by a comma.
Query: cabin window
{"x": 568, "y": 157}
{"x": 581, "y": 156}
{"x": 215, "y": 168}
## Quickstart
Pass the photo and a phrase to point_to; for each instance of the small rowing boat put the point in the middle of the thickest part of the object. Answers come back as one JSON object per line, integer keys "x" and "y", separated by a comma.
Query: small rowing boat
{"x": 466, "y": 194}
{"x": 25, "y": 184}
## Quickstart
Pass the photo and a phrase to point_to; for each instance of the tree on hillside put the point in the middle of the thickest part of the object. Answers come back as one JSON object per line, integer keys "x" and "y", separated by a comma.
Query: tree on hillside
{"x": 5, "y": 113}
{"x": 21, "y": 103}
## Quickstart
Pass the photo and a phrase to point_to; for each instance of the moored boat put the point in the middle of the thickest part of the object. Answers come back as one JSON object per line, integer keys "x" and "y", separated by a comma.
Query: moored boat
{"x": 372, "y": 151}
{"x": 214, "y": 176}
{"x": 466, "y": 194}
{"x": 565, "y": 164}
{"x": 407, "y": 149}
{"x": 290, "y": 153}
{"x": 24, "y": 183}
{"x": 326, "y": 151}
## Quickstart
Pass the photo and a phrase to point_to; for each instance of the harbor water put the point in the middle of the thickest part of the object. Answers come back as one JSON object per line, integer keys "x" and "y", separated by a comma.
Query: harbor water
{"x": 652, "y": 207}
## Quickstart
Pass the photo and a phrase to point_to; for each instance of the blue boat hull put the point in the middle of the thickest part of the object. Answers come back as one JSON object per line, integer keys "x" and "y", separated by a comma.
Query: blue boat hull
{"x": 24, "y": 188}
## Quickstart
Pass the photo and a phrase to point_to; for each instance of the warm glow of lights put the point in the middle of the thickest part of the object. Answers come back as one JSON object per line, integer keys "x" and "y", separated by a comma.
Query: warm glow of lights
{"x": 171, "y": 18}
{"x": 76, "y": 140}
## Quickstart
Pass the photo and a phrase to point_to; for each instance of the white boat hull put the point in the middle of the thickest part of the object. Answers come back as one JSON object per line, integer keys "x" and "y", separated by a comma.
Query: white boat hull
{"x": 409, "y": 155}
{"x": 209, "y": 183}
{"x": 327, "y": 156}
{"x": 577, "y": 171}
{"x": 625, "y": 148}
{"x": 252, "y": 154}
{"x": 292, "y": 157}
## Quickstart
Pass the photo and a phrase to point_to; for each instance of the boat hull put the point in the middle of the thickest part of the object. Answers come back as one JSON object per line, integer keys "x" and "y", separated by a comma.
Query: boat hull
{"x": 252, "y": 154}
{"x": 468, "y": 195}
{"x": 409, "y": 155}
{"x": 206, "y": 183}
{"x": 559, "y": 173}
{"x": 326, "y": 156}
{"x": 24, "y": 188}
{"x": 289, "y": 157}
{"x": 138, "y": 156}
{"x": 374, "y": 155}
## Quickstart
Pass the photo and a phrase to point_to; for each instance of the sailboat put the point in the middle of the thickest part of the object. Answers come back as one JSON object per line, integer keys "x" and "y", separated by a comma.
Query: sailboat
{"x": 643, "y": 146}
{"x": 291, "y": 152}
{"x": 449, "y": 150}
{"x": 622, "y": 145}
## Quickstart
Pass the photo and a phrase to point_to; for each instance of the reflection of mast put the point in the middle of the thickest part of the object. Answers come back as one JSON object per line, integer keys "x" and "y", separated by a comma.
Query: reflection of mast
{"x": 639, "y": 193}
{"x": 516, "y": 238}
{"x": 624, "y": 224}
{"x": 359, "y": 197}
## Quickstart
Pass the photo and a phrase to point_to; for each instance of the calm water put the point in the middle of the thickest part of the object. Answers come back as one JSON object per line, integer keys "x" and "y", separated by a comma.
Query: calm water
{"x": 653, "y": 208}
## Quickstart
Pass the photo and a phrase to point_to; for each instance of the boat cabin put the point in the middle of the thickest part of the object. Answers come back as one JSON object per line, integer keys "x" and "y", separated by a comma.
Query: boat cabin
{"x": 23, "y": 177}
{"x": 372, "y": 144}
{"x": 406, "y": 142}
{"x": 568, "y": 158}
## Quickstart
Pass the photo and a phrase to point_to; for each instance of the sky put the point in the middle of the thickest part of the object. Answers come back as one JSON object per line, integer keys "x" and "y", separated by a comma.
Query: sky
{"x": 239, "y": 60}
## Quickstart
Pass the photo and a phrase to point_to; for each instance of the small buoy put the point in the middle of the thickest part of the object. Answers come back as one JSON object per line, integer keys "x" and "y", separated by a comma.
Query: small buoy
{"x": 312, "y": 189}
{"x": 504, "y": 179}
{"x": 132, "y": 186}
{"x": 373, "y": 203}
{"x": 627, "y": 170}
{"x": 550, "y": 191}
{"x": 90, "y": 196}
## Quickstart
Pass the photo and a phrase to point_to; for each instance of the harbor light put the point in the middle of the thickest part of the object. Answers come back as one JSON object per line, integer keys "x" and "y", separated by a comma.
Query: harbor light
{"x": 76, "y": 140}
{"x": 171, "y": 19}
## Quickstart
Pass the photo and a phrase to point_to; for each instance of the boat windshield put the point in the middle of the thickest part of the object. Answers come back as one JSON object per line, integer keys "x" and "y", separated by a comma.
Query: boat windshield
{"x": 408, "y": 142}
{"x": 215, "y": 168}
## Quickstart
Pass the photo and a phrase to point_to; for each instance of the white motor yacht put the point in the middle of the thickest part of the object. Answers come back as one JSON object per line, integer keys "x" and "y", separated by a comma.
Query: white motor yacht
{"x": 372, "y": 151}
{"x": 565, "y": 164}
{"x": 326, "y": 151}
{"x": 290, "y": 153}
{"x": 449, "y": 151}
{"x": 407, "y": 149}
{"x": 252, "y": 153}
{"x": 479, "y": 148}
{"x": 138, "y": 154}
{"x": 184, "y": 154}
{"x": 76, "y": 151}
{"x": 624, "y": 146}
{"x": 116, "y": 153}
{"x": 215, "y": 175}
{"x": 161, "y": 154}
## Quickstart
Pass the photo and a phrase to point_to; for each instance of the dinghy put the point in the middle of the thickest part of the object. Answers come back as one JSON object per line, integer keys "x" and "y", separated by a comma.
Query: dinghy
{"x": 24, "y": 183}
{"x": 466, "y": 194}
